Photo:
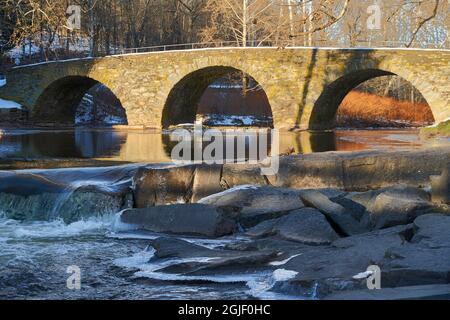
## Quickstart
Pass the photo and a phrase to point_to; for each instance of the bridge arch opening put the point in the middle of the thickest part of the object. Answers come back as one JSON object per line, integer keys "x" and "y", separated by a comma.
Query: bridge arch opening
{"x": 78, "y": 101}
{"x": 217, "y": 96}
{"x": 368, "y": 98}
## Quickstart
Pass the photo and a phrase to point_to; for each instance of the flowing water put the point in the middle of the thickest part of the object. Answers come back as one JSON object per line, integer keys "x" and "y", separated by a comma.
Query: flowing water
{"x": 82, "y": 229}
{"x": 36, "y": 249}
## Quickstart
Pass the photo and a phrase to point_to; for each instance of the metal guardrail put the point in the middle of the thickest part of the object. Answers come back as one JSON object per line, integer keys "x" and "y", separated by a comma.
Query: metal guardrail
{"x": 284, "y": 43}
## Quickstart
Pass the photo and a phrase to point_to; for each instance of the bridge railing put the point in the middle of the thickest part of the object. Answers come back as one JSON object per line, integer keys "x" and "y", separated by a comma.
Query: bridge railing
{"x": 331, "y": 43}
{"x": 284, "y": 43}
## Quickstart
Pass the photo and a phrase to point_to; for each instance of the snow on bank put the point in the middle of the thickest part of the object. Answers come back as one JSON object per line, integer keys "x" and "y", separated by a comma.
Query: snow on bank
{"x": 2, "y": 81}
{"x": 7, "y": 104}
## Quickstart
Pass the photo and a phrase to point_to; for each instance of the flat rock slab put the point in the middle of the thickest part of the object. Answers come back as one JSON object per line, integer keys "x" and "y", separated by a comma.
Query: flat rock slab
{"x": 432, "y": 230}
{"x": 332, "y": 268}
{"x": 306, "y": 225}
{"x": 398, "y": 206}
{"x": 335, "y": 212}
{"x": 189, "y": 219}
{"x": 361, "y": 171}
{"x": 204, "y": 261}
{"x": 234, "y": 175}
{"x": 256, "y": 204}
{"x": 427, "y": 292}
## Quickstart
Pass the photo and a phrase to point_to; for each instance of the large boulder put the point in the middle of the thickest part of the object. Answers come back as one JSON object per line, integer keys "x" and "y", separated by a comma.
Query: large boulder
{"x": 206, "y": 181}
{"x": 317, "y": 170}
{"x": 378, "y": 169}
{"x": 306, "y": 225}
{"x": 361, "y": 171}
{"x": 394, "y": 206}
{"x": 254, "y": 204}
{"x": 440, "y": 187}
{"x": 163, "y": 185}
{"x": 188, "y": 219}
{"x": 234, "y": 175}
{"x": 341, "y": 217}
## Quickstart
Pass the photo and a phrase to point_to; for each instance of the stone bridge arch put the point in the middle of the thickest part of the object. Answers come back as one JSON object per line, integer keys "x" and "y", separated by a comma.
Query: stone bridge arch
{"x": 326, "y": 92}
{"x": 182, "y": 101}
{"x": 58, "y": 101}
{"x": 325, "y": 108}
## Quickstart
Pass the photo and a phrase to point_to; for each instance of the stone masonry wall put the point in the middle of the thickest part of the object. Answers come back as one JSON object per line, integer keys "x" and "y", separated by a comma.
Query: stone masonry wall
{"x": 294, "y": 79}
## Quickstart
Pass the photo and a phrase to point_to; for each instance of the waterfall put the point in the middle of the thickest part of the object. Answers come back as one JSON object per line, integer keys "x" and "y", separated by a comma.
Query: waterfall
{"x": 44, "y": 196}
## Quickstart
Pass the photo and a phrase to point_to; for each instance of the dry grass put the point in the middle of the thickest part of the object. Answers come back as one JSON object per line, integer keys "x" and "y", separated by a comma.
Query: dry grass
{"x": 368, "y": 110}
{"x": 441, "y": 130}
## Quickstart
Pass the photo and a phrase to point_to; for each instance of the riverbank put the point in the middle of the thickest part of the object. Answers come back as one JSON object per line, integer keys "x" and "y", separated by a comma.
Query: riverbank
{"x": 441, "y": 130}
{"x": 363, "y": 110}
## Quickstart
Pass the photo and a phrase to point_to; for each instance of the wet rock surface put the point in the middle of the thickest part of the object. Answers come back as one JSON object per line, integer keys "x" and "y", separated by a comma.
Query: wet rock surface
{"x": 440, "y": 186}
{"x": 36, "y": 197}
{"x": 313, "y": 243}
{"x": 206, "y": 182}
{"x": 159, "y": 186}
{"x": 426, "y": 292}
{"x": 361, "y": 171}
{"x": 307, "y": 226}
{"x": 190, "y": 219}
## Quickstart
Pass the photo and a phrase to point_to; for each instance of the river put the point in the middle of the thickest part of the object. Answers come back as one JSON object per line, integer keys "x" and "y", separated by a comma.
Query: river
{"x": 155, "y": 147}
{"x": 115, "y": 261}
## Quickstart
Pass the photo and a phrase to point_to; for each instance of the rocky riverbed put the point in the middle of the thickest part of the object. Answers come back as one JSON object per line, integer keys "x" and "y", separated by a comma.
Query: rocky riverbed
{"x": 313, "y": 243}
{"x": 141, "y": 231}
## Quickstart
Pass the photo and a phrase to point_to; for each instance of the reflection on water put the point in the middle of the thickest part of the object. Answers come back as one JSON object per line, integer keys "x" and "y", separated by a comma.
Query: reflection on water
{"x": 146, "y": 146}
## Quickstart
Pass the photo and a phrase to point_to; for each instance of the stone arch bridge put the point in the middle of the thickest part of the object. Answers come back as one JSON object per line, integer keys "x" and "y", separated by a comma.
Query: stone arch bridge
{"x": 304, "y": 85}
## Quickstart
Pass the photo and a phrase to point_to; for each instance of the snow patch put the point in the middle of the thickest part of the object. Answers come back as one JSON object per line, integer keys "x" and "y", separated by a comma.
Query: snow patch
{"x": 7, "y": 104}
{"x": 283, "y": 275}
{"x": 234, "y": 120}
{"x": 280, "y": 263}
{"x": 363, "y": 275}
